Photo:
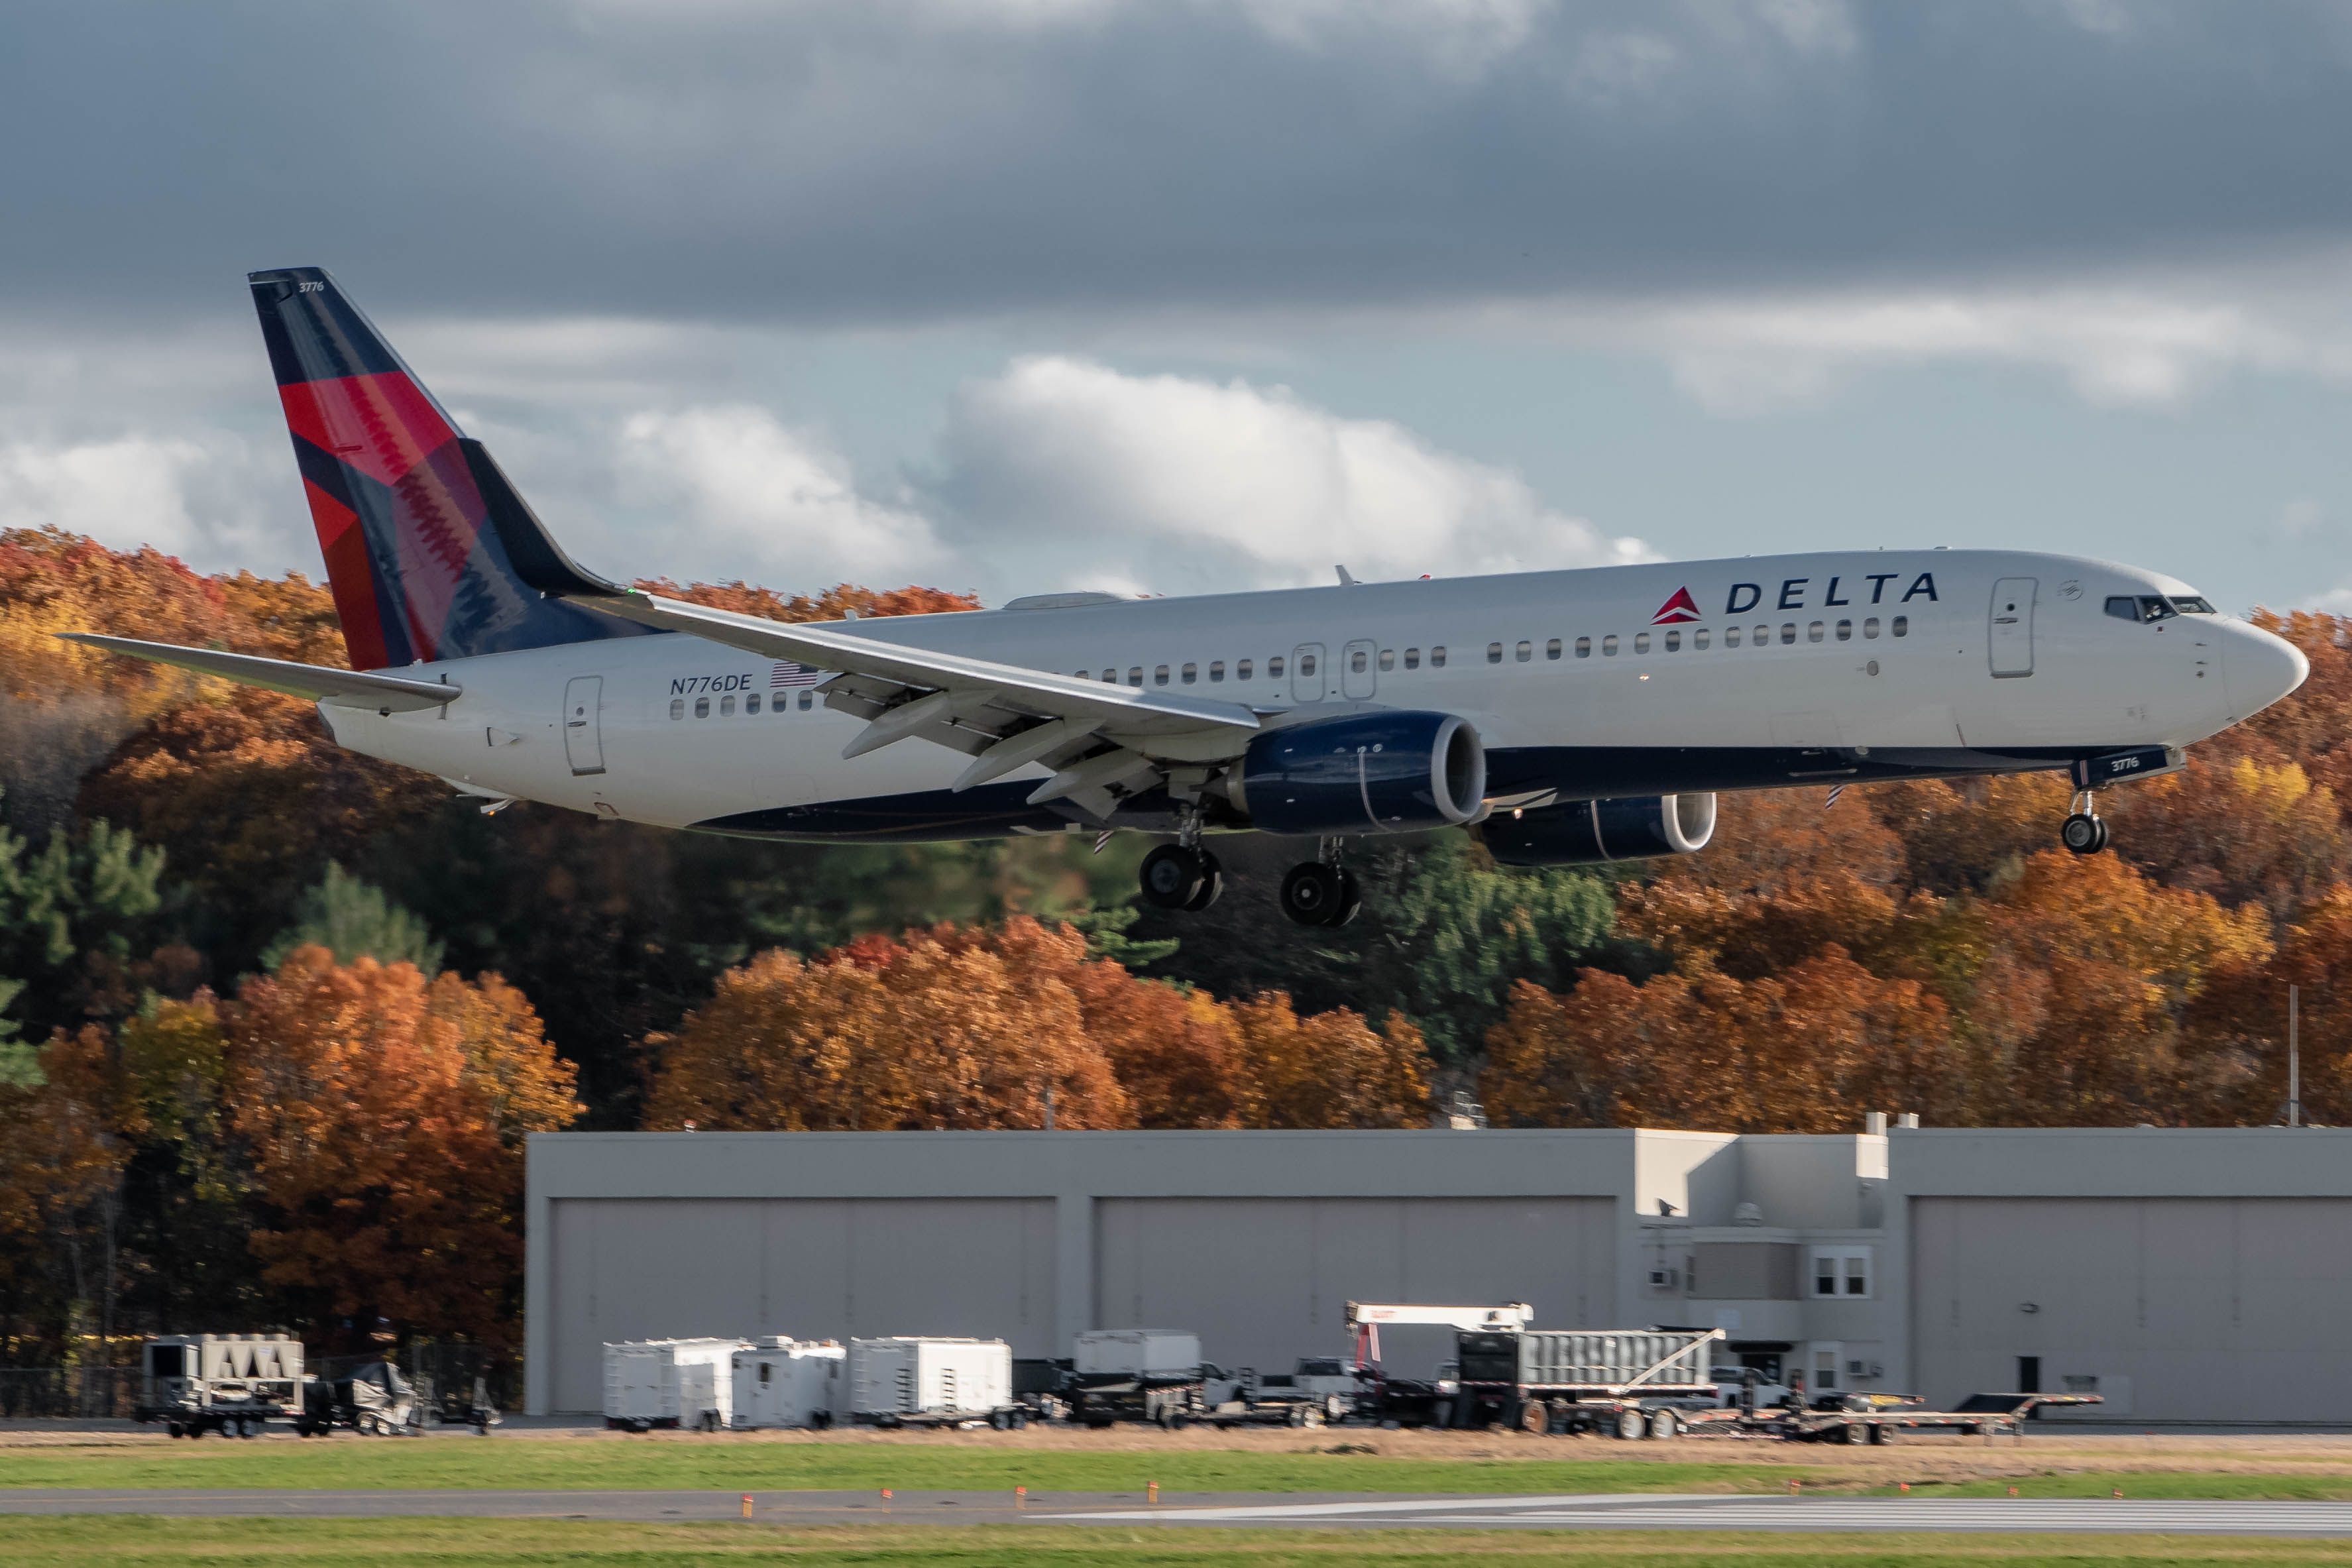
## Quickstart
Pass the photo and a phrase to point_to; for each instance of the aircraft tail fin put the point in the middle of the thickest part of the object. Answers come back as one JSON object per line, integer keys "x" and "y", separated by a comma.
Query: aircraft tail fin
{"x": 403, "y": 500}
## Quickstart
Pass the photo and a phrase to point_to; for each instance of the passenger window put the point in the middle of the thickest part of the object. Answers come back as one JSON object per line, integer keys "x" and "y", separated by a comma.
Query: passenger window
{"x": 1870, "y": 627}
{"x": 1527, "y": 651}
{"x": 1552, "y": 648}
{"x": 727, "y": 707}
{"x": 1082, "y": 675}
{"x": 1674, "y": 641}
{"x": 1110, "y": 677}
{"x": 1813, "y": 632}
{"x": 1241, "y": 670}
{"x": 1437, "y": 656}
{"x": 1358, "y": 661}
{"x": 1494, "y": 653}
{"x": 1763, "y": 636}
{"x": 1306, "y": 664}
{"x": 1641, "y": 642}
{"x": 1608, "y": 647}
{"x": 1902, "y": 627}
{"x": 1788, "y": 631}
{"x": 1845, "y": 631}
{"x": 1135, "y": 675}
{"x": 1413, "y": 659}
{"x": 1274, "y": 668}
{"x": 1191, "y": 673}
{"x": 1160, "y": 675}
{"x": 677, "y": 707}
{"x": 1699, "y": 638}
{"x": 1731, "y": 637}
{"x": 1216, "y": 670}
{"x": 752, "y": 703}
{"x": 1388, "y": 658}
{"x": 702, "y": 707}
{"x": 808, "y": 700}
{"x": 1584, "y": 647}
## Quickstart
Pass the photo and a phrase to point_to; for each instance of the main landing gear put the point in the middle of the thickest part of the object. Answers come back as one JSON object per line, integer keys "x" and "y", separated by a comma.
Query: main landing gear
{"x": 2084, "y": 831}
{"x": 1182, "y": 874}
{"x": 1322, "y": 892}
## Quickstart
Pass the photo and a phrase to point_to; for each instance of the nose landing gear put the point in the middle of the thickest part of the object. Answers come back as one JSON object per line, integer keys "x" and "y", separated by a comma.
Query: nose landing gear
{"x": 2084, "y": 831}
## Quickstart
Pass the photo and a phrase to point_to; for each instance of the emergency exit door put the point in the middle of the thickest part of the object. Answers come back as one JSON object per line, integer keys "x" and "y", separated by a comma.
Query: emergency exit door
{"x": 2012, "y": 627}
{"x": 584, "y": 735}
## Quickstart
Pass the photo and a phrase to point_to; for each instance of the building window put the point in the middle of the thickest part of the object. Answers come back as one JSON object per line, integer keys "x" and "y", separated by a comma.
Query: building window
{"x": 752, "y": 703}
{"x": 677, "y": 707}
{"x": 1641, "y": 642}
{"x": 1825, "y": 1370}
{"x": 1494, "y": 653}
{"x": 1584, "y": 647}
{"x": 1552, "y": 648}
{"x": 1190, "y": 674}
{"x": 1274, "y": 668}
{"x": 1413, "y": 659}
{"x": 702, "y": 707}
{"x": 1902, "y": 626}
{"x": 1388, "y": 659}
{"x": 1698, "y": 639}
{"x": 1609, "y": 647}
{"x": 1870, "y": 627}
{"x": 1673, "y": 642}
{"x": 1241, "y": 670}
{"x": 1841, "y": 1271}
{"x": 1216, "y": 670}
{"x": 1731, "y": 637}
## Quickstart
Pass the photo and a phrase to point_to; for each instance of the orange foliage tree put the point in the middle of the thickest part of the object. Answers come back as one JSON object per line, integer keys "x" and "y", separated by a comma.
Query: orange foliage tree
{"x": 385, "y": 1118}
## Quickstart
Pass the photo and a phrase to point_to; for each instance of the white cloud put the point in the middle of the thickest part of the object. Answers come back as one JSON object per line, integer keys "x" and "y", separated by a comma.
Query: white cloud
{"x": 757, "y": 497}
{"x": 1106, "y": 479}
{"x": 194, "y": 499}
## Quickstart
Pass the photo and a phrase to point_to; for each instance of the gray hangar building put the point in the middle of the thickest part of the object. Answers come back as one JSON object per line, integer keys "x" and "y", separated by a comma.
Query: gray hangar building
{"x": 2182, "y": 1275}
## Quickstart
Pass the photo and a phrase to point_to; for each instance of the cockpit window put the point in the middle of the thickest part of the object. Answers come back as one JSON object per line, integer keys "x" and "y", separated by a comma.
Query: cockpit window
{"x": 2146, "y": 607}
{"x": 2193, "y": 605}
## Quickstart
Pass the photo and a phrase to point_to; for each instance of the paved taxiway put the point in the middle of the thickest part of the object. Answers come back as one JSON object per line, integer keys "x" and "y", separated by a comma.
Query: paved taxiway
{"x": 1577, "y": 1511}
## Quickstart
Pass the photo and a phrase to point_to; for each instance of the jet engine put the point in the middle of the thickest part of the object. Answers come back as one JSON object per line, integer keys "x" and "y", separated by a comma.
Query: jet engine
{"x": 1594, "y": 832}
{"x": 1363, "y": 773}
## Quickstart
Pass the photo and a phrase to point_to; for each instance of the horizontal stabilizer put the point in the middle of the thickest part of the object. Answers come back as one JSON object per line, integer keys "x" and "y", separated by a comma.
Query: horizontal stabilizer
{"x": 347, "y": 688}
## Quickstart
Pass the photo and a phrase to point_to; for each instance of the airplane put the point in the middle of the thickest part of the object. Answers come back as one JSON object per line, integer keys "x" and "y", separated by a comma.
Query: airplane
{"x": 1562, "y": 717}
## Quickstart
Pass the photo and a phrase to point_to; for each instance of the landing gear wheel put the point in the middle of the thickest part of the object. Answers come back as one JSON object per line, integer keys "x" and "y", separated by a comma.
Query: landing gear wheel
{"x": 2084, "y": 834}
{"x": 1172, "y": 877}
{"x": 1315, "y": 894}
{"x": 1212, "y": 883}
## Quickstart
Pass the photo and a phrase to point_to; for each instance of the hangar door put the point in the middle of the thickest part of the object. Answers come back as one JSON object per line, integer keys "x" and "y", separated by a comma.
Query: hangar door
{"x": 636, "y": 1269}
{"x": 1266, "y": 1280}
{"x": 2169, "y": 1309}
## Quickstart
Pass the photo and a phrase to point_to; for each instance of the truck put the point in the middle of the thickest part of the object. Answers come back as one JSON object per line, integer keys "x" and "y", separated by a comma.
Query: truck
{"x": 1628, "y": 1383}
{"x": 1417, "y": 1401}
{"x": 787, "y": 1383}
{"x": 375, "y": 1400}
{"x": 229, "y": 1383}
{"x": 913, "y": 1381}
{"x": 669, "y": 1383}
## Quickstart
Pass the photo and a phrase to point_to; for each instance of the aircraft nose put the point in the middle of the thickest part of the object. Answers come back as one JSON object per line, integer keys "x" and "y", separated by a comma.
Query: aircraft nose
{"x": 2260, "y": 667}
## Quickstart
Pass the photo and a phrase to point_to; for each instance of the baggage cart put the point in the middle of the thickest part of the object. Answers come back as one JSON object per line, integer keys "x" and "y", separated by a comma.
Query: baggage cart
{"x": 914, "y": 1381}
{"x": 669, "y": 1383}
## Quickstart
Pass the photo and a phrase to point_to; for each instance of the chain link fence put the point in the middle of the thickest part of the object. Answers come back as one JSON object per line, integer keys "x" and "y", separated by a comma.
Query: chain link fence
{"x": 51, "y": 1392}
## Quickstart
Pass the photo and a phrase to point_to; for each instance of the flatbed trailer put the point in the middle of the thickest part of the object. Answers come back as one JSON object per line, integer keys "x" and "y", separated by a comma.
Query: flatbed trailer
{"x": 1882, "y": 1418}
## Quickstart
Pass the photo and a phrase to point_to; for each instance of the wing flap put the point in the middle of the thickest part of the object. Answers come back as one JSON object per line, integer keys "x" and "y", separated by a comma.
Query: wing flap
{"x": 348, "y": 688}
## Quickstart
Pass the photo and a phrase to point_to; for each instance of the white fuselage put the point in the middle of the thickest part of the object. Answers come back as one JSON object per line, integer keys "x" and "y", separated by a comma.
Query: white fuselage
{"x": 1786, "y": 669}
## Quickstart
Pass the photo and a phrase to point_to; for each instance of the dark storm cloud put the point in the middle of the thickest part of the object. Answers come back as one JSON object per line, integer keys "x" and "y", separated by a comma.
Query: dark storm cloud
{"x": 898, "y": 160}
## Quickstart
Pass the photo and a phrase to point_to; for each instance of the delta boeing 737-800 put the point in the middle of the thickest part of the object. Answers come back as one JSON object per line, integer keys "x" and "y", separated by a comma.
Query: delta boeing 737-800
{"x": 1563, "y": 717}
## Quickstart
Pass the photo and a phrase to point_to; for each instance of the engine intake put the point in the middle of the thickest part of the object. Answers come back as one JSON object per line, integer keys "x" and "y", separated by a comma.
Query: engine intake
{"x": 1363, "y": 773}
{"x": 1595, "y": 832}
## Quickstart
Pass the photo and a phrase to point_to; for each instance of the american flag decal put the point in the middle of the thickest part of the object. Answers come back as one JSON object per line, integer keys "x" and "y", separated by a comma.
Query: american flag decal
{"x": 791, "y": 674}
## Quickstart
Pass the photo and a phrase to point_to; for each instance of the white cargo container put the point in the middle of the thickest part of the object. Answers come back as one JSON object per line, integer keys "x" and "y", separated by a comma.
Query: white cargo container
{"x": 221, "y": 1383}
{"x": 669, "y": 1383}
{"x": 788, "y": 1383}
{"x": 1153, "y": 1354}
{"x": 911, "y": 1381}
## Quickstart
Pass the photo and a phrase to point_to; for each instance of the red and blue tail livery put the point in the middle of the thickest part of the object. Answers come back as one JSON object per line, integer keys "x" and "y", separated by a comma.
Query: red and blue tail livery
{"x": 402, "y": 499}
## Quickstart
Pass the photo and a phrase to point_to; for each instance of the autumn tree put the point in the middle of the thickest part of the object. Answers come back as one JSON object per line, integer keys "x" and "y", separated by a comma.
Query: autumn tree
{"x": 385, "y": 1118}
{"x": 1329, "y": 1070}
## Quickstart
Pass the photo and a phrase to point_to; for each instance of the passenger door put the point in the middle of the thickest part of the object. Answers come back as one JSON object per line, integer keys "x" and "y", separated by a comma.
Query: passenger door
{"x": 1358, "y": 676}
{"x": 1307, "y": 673}
{"x": 583, "y": 730}
{"x": 2012, "y": 627}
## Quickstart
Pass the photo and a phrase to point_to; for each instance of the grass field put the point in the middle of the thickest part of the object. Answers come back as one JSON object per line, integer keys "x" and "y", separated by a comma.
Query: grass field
{"x": 499, "y": 1543}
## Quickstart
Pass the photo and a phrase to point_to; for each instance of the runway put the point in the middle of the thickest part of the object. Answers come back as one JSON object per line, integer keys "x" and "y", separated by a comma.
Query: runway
{"x": 1578, "y": 1511}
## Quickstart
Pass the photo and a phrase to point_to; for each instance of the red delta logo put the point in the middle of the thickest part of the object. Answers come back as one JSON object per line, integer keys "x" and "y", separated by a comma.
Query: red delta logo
{"x": 1681, "y": 608}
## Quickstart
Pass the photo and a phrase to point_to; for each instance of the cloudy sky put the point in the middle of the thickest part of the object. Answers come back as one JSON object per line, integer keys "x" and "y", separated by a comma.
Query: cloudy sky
{"x": 1168, "y": 295}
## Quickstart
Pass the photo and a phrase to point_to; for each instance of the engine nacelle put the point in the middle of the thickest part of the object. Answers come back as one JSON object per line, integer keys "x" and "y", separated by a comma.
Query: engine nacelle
{"x": 1594, "y": 832}
{"x": 1363, "y": 773}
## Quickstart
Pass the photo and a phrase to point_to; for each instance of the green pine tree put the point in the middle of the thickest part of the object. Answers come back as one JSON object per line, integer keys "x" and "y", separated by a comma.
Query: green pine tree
{"x": 352, "y": 919}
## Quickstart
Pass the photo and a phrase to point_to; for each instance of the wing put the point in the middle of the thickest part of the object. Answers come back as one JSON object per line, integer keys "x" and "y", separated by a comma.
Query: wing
{"x": 1104, "y": 741}
{"x": 347, "y": 688}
